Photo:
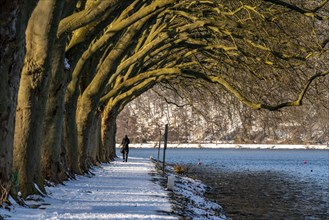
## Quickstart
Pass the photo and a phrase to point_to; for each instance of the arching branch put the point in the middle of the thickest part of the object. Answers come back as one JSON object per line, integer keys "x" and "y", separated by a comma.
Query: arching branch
{"x": 257, "y": 106}
{"x": 85, "y": 17}
{"x": 146, "y": 76}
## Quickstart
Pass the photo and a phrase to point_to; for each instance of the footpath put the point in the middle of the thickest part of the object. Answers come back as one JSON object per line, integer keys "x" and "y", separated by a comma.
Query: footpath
{"x": 117, "y": 191}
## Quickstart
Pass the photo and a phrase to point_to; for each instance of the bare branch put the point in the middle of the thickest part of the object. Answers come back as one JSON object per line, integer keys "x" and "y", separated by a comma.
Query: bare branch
{"x": 307, "y": 12}
{"x": 168, "y": 101}
{"x": 257, "y": 106}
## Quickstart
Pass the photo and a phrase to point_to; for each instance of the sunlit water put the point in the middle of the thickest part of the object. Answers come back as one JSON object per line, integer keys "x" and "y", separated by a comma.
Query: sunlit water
{"x": 306, "y": 172}
{"x": 308, "y": 164}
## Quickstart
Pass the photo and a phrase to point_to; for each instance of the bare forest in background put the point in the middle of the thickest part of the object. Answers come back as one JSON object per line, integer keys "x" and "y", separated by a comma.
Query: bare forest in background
{"x": 212, "y": 119}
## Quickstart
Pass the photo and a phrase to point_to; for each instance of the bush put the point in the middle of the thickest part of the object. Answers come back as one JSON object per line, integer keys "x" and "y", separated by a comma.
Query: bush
{"x": 181, "y": 169}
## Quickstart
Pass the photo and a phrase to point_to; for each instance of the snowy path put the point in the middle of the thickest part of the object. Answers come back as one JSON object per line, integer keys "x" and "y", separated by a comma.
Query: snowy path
{"x": 117, "y": 191}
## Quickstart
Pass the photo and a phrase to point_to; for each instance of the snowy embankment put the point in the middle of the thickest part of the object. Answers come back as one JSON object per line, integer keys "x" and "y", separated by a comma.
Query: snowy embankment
{"x": 235, "y": 146}
{"x": 117, "y": 191}
{"x": 190, "y": 201}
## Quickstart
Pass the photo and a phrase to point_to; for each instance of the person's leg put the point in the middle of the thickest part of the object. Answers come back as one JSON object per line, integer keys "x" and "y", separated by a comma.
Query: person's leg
{"x": 126, "y": 152}
{"x": 123, "y": 156}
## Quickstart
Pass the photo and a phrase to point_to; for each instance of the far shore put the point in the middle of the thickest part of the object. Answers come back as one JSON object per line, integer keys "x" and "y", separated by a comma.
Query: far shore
{"x": 235, "y": 146}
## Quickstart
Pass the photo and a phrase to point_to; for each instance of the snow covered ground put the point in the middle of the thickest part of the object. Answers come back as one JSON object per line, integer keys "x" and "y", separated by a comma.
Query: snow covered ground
{"x": 240, "y": 146}
{"x": 117, "y": 191}
{"x": 120, "y": 191}
{"x": 190, "y": 196}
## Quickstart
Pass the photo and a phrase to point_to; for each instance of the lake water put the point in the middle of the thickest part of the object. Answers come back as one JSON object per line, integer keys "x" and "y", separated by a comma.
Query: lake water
{"x": 306, "y": 164}
{"x": 299, "y": 179}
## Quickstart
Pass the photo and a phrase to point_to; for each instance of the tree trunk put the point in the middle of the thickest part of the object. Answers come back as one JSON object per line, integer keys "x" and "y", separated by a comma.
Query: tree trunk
{"x": 72, "y": 104}
{"x": 52, "y": 168}
{"x": 104, "y": 151}
{"x": 85, "y": 118}
{"x": 70, "y": 131}
{"x": 99, "y": 137}
{"x": 13, "y": 18}
{"x": 95, "y": 141}
{"x": 109, "y": 129}
{"x": 32, "y": 95}
{"x": 91, "y": 96}
{"x": 112, "y": 142}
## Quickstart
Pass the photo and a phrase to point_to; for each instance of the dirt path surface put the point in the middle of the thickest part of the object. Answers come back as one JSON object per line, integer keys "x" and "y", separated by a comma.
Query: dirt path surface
{"x": 264, "y": 195}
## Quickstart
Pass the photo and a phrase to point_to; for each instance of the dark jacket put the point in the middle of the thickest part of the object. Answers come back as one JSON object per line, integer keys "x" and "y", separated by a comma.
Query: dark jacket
{"x": 125, "y": 142}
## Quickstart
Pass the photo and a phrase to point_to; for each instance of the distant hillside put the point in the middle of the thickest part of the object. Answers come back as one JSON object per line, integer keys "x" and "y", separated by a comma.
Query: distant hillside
{"x": 221, "y": 119}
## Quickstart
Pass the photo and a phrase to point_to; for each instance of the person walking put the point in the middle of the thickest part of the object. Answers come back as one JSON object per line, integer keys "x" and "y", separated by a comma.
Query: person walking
{"x": 125, "y": 148}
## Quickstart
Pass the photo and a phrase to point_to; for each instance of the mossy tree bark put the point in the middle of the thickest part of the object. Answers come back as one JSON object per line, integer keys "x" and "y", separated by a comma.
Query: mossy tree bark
{"x": 114, "y": 106}
{"x": 51, "y": 150}
{"x": 53, "y": 154}
{"x": 33, "y": 93}
{"x": 112, "y": 138}
{"x": 108, "y": 133}
{"x": 13, "y": 17}
{"x": 94, "y": 148}
{"x": 83, "y": 37}
{"x": 70, "y": 136}
{"x": 91, "y": 95}
{"x": 85, "y": 26}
